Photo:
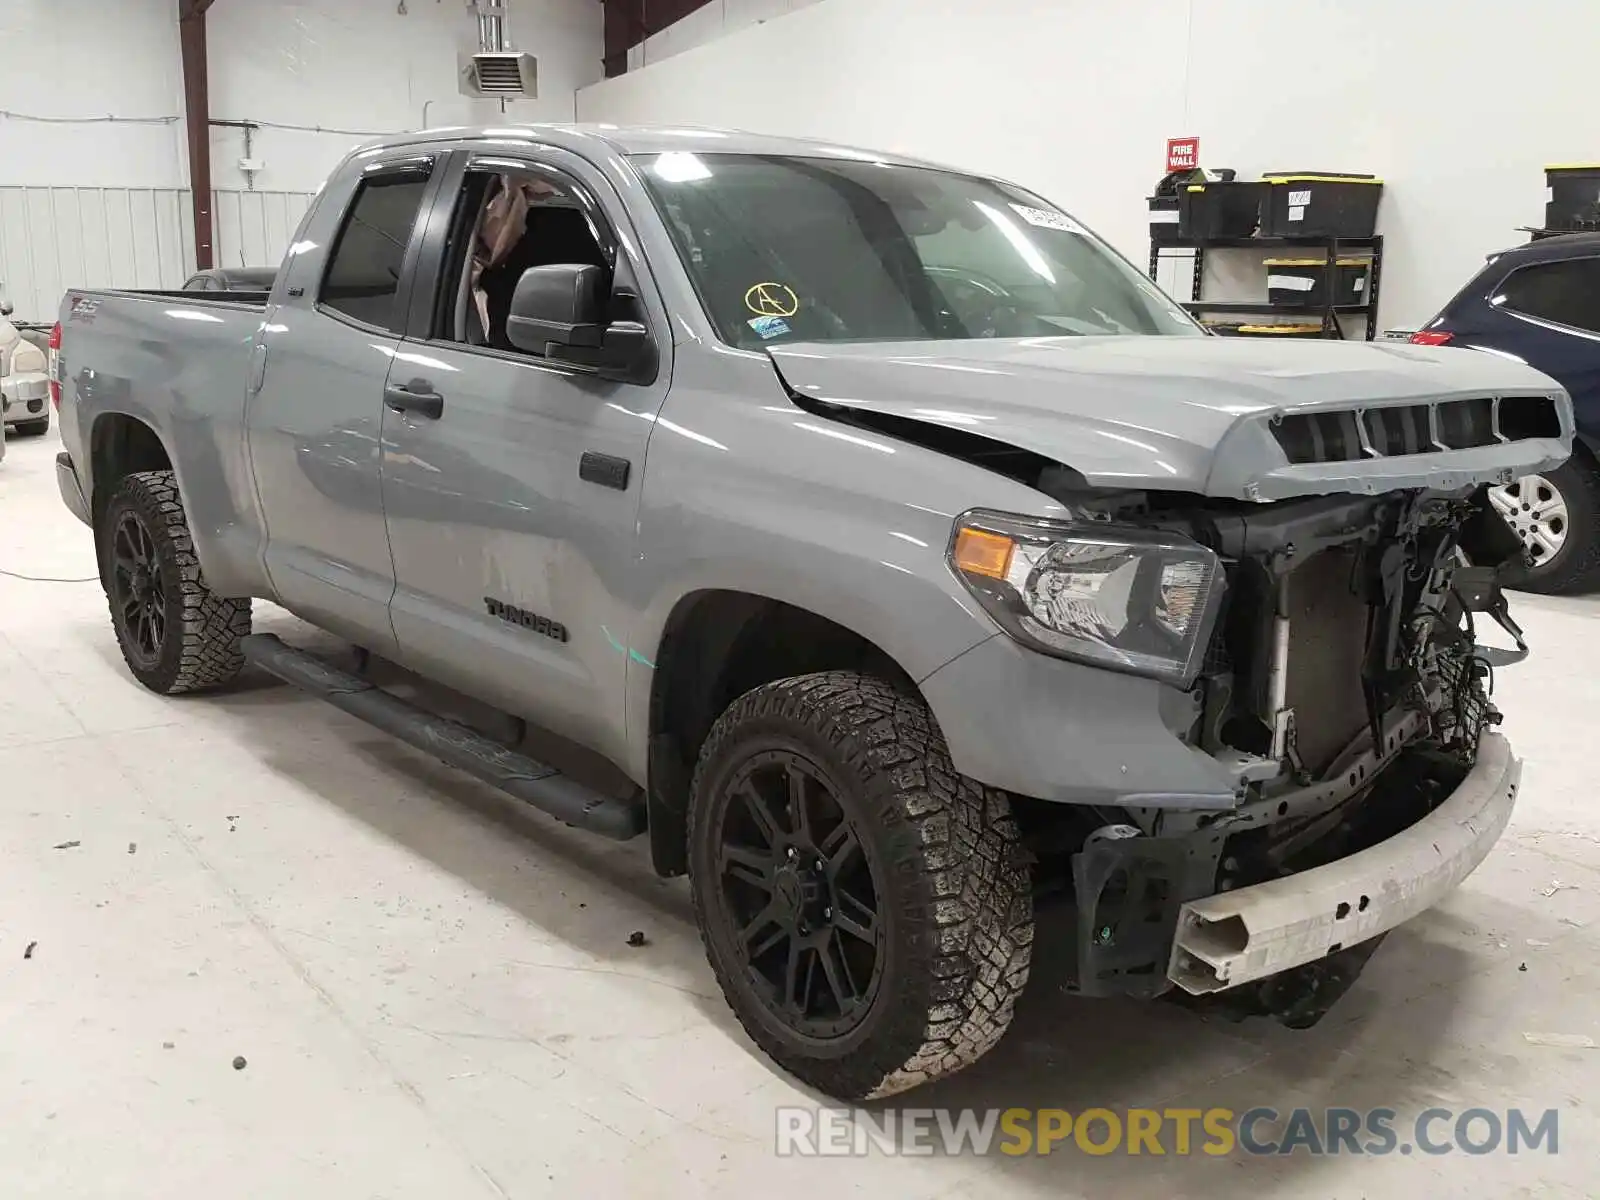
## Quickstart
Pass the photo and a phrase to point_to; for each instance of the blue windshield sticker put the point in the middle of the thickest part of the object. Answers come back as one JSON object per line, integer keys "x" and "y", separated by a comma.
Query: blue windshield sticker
{"x": 768, "y": 327}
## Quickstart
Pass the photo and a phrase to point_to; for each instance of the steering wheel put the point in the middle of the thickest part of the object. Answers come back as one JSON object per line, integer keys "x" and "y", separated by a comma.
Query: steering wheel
{"x": 982, "y": 306}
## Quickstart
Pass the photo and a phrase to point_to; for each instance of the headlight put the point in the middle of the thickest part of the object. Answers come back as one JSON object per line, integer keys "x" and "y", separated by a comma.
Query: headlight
{"x": 1129, "y": 599}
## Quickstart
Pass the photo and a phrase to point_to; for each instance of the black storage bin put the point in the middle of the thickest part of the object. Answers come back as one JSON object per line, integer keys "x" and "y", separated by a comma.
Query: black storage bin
{"x": 1574, "y": 204}
{"x": 1220, "y": 210}
{"x": 1163, "y": 204}
{"x": 1320, "y": 204}
{"x": 1163, "y": 220}
{"x": 1305, "y": 281}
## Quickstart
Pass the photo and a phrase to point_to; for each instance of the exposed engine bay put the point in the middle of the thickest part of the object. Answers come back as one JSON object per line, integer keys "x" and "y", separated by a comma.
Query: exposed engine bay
{"x": 1343, "y": 685}
{"x": 1337, "y": 677}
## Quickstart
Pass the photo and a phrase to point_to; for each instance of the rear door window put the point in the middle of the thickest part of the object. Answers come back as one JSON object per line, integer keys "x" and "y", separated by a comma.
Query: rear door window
{"x": 364, "y": 270}
{"x": 1566, "y": 293}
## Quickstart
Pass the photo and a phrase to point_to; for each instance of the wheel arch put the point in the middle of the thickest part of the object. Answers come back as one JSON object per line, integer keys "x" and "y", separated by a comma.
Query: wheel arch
{"x": 718, "y": 644}
{"x": 119, "y": 445}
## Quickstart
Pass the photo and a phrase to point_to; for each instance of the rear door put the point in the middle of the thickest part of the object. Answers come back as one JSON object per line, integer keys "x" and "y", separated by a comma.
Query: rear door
{"x": 1548, "y": 314}
{"x": 316, "y": 404}
{"x": 512, "y": 499}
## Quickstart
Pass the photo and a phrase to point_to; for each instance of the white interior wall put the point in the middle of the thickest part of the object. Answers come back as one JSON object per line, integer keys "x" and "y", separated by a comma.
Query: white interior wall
{"x": 354, "y": 65}
{"x": 74, "y": 64}
{"x": 359, "y": 65}
{"x": 91, "y": 202}
{"x": 1075, "y": 98}
{"x": 52, "y": 239}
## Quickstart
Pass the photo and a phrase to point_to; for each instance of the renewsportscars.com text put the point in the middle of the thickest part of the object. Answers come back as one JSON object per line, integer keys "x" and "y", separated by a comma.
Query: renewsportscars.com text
{"x": 825, "y": 1132}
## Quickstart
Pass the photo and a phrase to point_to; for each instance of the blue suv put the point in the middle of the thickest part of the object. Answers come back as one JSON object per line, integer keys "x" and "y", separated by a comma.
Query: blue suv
{"x": 1540, "y": 304}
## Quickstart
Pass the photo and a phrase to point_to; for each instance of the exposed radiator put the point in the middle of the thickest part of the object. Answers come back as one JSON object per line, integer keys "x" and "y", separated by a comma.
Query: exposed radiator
{"x": 1327, "y": 642}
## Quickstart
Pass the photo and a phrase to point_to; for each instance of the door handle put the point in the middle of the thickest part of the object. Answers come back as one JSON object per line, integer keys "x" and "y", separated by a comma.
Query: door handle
{"x": 417, "y": 396}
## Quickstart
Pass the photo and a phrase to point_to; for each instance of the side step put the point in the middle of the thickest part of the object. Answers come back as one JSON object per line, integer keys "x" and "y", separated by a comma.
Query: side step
{"x": 515, "y": 774}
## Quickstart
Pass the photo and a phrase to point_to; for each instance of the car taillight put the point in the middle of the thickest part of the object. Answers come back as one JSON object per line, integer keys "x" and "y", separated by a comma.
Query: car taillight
{"x": 1432, "y": 337}
{"x": 55, "y": 356}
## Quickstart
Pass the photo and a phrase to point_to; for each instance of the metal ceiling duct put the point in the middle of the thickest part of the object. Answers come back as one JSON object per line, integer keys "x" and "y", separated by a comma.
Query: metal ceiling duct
{"x": 496, "y": 71}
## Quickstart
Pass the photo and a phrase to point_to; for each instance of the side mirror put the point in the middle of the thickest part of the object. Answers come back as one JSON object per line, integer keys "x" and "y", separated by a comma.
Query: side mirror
{"x": 564, "y": 303}
{"x": 6, "y": 308}
{"x": 563, "y": 312}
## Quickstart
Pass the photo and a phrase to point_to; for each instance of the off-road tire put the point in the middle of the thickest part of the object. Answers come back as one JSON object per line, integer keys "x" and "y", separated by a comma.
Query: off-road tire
{"x": 200, "y": 650}
{"x": 955, "y": 889}
{"x": 32, "y": 428}
{"x": 1577, "y": 567}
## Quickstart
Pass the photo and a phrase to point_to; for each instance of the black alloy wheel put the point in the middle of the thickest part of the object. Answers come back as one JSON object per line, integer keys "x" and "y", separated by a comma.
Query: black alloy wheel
{"x": 867, "y": 910}
{"x": 800, "y": 889}
{"x": 175, "y": 633}
{"x": 138, "y": 600}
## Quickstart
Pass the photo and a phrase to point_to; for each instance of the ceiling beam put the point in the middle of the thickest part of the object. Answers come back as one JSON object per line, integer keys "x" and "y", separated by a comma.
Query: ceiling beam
{"x": 197, "y": 121}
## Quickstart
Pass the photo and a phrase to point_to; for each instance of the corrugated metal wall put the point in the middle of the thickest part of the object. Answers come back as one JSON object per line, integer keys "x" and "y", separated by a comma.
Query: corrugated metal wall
{"x": 55, "y": 238}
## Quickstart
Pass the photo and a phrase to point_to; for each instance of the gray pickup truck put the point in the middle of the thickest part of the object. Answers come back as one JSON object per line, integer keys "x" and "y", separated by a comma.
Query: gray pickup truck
{"x": 923, "y": 565}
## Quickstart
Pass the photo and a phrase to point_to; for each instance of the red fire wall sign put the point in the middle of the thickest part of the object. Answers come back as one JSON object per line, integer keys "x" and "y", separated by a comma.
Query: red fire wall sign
{"x": 1183, "y": 154}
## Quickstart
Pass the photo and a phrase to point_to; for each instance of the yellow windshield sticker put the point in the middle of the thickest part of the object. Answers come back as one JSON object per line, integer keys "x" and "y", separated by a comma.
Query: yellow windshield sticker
{"x": 772, "y": 300}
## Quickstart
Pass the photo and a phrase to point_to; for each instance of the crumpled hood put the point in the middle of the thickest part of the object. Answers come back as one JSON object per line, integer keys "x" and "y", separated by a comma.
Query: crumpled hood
{"x": 1178, "y": 413}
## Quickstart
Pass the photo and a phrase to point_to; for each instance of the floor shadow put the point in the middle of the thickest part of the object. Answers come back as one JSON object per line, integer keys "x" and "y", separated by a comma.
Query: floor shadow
{"x": 271, "y": 723}
{"x": 1062, "y": 1052}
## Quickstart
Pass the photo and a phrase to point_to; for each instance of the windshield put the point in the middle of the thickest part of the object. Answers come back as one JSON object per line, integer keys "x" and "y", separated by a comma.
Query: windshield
{"x": 785, "y": 248}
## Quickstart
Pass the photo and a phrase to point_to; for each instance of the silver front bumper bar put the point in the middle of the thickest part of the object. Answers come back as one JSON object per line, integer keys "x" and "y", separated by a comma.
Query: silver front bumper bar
{"x": 1236, "y": 937}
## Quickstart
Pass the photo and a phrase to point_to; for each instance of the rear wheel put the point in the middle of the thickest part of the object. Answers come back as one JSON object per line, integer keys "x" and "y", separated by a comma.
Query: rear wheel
{"x": 32, "y": 428}
{"x": 176, "y": 635}
{"x": 866, "y": 909}
{"x": 1557, "y": 517}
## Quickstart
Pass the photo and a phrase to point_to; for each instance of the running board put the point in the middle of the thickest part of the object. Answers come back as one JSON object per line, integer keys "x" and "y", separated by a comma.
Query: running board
{"x": 515, "y": 774}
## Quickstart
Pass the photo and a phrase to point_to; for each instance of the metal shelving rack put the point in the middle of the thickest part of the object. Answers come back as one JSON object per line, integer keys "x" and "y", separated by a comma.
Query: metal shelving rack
{"x": 1331, "y": 246}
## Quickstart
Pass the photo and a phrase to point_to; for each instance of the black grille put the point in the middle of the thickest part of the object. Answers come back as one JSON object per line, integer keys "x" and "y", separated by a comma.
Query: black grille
{"x": 1404, "y": 430}
{"x": 1323, "y": 437}
{"x": 1319, "y": 437}
{"x": 1467, "y": 423}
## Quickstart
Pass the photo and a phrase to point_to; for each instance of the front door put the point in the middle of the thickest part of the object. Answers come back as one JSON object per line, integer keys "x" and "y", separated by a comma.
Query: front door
{"x": 315, "y": 409}
{"x": 511, "y": 482}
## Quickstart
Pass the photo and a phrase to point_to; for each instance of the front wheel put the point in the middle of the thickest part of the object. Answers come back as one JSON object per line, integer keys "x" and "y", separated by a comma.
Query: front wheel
{"x": 175, "y": 633}
{"x": 866, "y": 909}
{"x": 1557, "y": 516}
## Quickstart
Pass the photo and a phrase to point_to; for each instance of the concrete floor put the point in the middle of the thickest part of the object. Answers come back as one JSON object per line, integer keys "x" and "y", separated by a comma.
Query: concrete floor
{"x": 435, "y": 996}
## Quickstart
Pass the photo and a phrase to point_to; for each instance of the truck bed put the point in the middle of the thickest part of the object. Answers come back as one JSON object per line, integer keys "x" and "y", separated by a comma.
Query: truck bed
{"x": 178, "y": 363}
{"x": 228, "y": 299}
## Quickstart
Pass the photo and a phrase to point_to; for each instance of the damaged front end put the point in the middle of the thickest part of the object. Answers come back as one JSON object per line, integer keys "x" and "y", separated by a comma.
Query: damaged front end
{"x": 1297, "y": 548}
{"x": 1345, "y": 689}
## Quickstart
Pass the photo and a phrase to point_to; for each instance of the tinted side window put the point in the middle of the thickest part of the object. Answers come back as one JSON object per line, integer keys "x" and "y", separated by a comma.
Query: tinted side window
{"x": 1567, "y": 293}
{"x": 363, "y": 274}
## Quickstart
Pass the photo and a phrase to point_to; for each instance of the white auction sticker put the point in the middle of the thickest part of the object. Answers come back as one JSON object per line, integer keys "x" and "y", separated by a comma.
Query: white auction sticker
{"x": 1046, "y": 218}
